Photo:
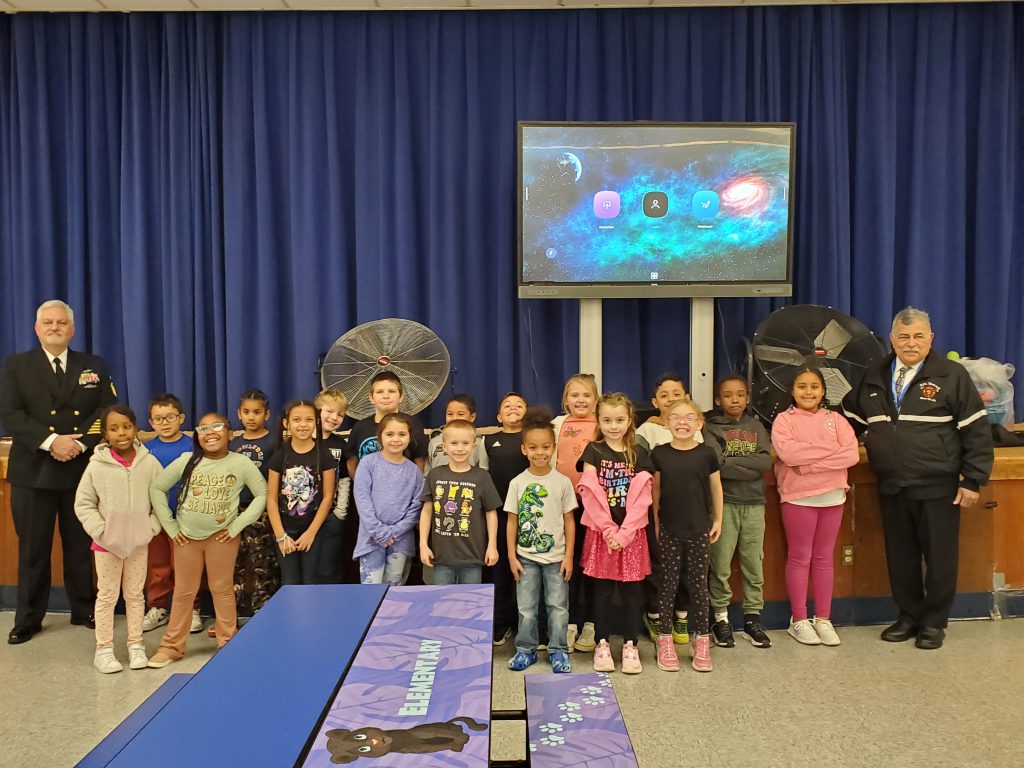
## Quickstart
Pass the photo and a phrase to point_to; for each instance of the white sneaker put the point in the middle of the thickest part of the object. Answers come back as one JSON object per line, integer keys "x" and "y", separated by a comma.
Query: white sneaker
{"x": 803, "y": 632}
{"x": 570, "y": 637}
{"x": 586, "y": 642}
{"x": 137, "y": 658}
{"x": 155, "y": 617}
{"x": 106, "y": 662}
{"x": 197, "y": 623}
{"x": 826, "y": 632}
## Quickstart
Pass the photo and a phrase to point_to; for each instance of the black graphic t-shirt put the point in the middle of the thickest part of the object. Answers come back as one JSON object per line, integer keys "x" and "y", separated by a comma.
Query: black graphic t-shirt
{"x": 258, "y": 451}
{"x": 505, "y": 459}
{"x": 460, "y": 500}
{"x": 614, "y": 473}
{"x": 301, "y": 485}
{"x": 362, "y": 440}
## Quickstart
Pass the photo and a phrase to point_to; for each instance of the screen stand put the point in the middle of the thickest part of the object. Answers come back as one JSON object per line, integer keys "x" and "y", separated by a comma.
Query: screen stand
{"x": 702, "y": 350}
{"x": 702, "y": 346}
{"x": 590, "y": 338}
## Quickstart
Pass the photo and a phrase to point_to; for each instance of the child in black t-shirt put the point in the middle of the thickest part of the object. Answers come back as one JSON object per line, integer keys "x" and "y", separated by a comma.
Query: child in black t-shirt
{"x": 459, "y": 520}
{"x": 688, "y": 514}
{"x": 257, "y": 575}
{"x": 336, "y": 548}
{"x": 505, "y": 461}
{"x": 386, "y": 394}
{"x": 300, "y": 493}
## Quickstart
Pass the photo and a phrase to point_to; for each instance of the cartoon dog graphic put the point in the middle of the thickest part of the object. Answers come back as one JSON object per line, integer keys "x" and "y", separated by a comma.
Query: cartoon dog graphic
{"x": 347, "y": 746}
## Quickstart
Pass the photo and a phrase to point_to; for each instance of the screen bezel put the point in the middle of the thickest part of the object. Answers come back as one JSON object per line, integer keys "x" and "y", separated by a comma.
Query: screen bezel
{"x": 665, "y": 288}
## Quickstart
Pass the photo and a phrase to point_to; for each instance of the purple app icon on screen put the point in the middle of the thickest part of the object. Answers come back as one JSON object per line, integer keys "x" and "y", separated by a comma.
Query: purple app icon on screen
{"x": 606, "y": 204}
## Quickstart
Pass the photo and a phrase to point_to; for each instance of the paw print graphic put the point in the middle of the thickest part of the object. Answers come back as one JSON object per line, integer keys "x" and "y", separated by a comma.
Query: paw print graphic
{"x": 594, "y": 700}
{"x": 571, "y": 717}
{"x": 550, "y": 728}
{"x": 568, "y": 706}
{"x": 590, "y": 689}
{"x": 552, "y": 741}
{"x": 533, "y": 746}
{"x": 606, "y": 683}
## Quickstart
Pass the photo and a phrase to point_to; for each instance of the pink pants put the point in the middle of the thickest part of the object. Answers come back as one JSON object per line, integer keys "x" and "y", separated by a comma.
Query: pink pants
{"x": 811, "y": 534}
{"x": 111, "y": 573}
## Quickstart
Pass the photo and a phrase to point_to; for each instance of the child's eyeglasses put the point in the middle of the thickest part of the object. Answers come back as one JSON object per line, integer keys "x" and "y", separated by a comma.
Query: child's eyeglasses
{"x": 206, "y": 429}
{"x": 690, "y": 418}
{"x": 165, "y": 419}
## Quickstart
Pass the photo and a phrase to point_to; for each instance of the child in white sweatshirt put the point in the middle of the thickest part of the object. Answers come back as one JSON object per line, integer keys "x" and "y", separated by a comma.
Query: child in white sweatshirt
{"x": 113, "y": 504}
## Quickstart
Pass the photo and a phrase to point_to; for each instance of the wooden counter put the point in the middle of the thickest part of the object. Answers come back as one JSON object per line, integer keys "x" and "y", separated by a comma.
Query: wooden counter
{"x": 991, "y": 549}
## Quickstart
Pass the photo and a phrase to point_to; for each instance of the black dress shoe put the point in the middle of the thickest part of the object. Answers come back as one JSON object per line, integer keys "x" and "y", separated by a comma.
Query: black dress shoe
{"x": 21, "y": 635}
{"x": 899, "y": 632}
{"x": 84, "y": 622}
{"x": 929, "y": 638}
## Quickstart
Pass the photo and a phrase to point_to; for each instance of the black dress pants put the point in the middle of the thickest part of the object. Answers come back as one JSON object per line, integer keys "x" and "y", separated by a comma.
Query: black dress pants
{"x": 34, "y": 511}
{"x": 922, "y": 532}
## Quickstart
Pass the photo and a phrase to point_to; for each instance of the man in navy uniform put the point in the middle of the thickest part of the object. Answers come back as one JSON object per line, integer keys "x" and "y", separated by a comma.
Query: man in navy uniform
{"x": 50, "y": 401}
{"x": 928, "y": 439}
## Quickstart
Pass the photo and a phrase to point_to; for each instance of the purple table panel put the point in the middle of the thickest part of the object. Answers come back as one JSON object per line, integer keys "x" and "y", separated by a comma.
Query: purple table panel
{"x": 419, "y": 690}
{"x": 574, "y": 720}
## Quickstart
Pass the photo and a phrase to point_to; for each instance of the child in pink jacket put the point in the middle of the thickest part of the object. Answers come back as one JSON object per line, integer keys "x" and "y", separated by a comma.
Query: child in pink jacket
{"x": 815, "y": 446}
{"x": 615, "y": 489}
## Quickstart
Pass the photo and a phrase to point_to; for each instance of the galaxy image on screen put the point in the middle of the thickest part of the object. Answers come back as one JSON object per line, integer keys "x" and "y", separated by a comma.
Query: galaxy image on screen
{"x": 639, "y": 203}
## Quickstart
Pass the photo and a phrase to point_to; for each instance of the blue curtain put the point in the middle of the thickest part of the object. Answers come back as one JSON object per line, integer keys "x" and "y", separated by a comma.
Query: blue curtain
{"x": 221, "y": 196}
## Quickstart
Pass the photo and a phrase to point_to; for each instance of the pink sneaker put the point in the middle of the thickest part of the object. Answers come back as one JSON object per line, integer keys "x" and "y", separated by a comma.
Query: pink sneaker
{"x": 631, "y": 659}
{"x": 603, "y": 661}
{"x": 667, "y": 658}
{"x": 700, "y": 650}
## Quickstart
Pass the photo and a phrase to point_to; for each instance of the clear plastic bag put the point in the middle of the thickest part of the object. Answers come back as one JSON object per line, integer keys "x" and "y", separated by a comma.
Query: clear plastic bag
{"x": 992, "y": 379}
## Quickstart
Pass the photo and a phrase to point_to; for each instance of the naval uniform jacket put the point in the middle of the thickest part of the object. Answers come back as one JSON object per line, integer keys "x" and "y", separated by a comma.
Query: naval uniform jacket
{"x": 939, "y": 433}
{"x": 32, "y": 409}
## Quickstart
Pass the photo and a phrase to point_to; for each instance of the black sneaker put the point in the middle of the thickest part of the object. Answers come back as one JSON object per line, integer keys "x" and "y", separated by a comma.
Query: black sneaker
{"x": 755, "y": 632}
{"x": 500, "y": 635}
{"x": 722, "y": 632}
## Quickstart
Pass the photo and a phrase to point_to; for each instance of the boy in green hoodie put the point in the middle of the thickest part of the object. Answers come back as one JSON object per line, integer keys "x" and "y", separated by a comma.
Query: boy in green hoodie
{"x": 745, "y": 447}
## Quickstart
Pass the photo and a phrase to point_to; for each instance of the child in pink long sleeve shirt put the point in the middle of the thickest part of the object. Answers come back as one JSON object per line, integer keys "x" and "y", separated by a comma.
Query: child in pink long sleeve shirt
{"x": 616, "y": 491}
{"x": 815, "y": 446}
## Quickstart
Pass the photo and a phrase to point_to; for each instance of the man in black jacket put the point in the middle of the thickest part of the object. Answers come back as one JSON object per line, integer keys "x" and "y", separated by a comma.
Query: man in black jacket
{"x": 50, "y": 401}
{"x": 928, "y": 439}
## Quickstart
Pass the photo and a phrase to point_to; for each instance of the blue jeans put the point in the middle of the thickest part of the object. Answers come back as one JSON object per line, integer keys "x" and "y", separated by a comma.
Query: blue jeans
{"x": 384, "y": 566}
{"x": 458, "y": 574}
{"x": 538, "y": 576}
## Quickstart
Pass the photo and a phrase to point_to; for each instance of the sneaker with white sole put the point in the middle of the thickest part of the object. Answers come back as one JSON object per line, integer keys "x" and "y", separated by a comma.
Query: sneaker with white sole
{"x": 603, "y": 661}
{"x": 668, "y": 660}
{"x": 826, "y": 632}
{"x": 803, "y": 632}
{"x": 159, "y": 661}
{"x": 700, "y": 651}
{"x": 571, "y": 636}
{"x": 631, "y": 659}
{"x": 754, "y": 631}
{"x": 586, "y": 642}
{"x": 106, "y": 662}
{"x": 197, "y": 623}
{"x": 137, "y": 658}
{"x": 155, "y": 617}
{"x": 721, "y": 631}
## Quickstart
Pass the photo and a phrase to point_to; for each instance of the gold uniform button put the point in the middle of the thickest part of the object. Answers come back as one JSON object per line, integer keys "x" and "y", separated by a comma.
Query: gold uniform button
{"x": 53, "y": 413}
{"x": 77, "y": 413}
{"x": 52, "y": 429}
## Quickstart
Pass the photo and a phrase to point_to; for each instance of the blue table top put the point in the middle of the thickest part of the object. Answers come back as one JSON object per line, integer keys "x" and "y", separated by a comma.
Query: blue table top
{"x": 254, "y": 703}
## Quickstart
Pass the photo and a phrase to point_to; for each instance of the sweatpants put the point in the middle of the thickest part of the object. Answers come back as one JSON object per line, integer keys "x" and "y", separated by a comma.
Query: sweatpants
{"x": 742, "y": 529}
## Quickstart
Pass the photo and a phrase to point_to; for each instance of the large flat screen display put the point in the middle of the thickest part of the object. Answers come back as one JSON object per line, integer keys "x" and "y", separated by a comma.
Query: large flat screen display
{"x": 655, "y": 209}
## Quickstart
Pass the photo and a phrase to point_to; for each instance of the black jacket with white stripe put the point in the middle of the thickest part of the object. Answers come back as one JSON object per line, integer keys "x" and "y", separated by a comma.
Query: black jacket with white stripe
{"x": 937, "y": 439}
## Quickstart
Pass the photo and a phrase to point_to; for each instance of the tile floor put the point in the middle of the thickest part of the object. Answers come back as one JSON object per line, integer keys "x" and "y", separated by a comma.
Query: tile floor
{"x": 866, "y": 703}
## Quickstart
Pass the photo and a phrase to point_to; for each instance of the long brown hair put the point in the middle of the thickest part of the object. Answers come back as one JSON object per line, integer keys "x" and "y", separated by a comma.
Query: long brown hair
{"x": 613, "y": 400}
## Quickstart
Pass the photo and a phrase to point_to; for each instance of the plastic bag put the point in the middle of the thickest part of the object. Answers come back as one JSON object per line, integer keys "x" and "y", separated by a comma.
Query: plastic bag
{"x": 992, "y": 379}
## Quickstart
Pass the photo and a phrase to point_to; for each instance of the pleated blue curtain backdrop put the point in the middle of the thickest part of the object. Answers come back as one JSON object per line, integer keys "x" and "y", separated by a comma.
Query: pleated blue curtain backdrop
{"x": 220, "y": 196}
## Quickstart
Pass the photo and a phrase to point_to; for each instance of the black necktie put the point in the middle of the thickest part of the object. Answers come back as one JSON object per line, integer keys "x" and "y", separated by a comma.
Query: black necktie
{"x": 58, "y": 372}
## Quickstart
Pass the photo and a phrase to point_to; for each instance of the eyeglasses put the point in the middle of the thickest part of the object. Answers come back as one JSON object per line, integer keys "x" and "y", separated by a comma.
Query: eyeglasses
{"x": 165, "y": 419}
{"x": 206, "y": 429}
{"x": 690, "y": 418}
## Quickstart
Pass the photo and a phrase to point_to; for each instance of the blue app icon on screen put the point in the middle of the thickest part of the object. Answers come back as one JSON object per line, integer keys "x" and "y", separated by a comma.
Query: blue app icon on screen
{"x": 705, "y": 205}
